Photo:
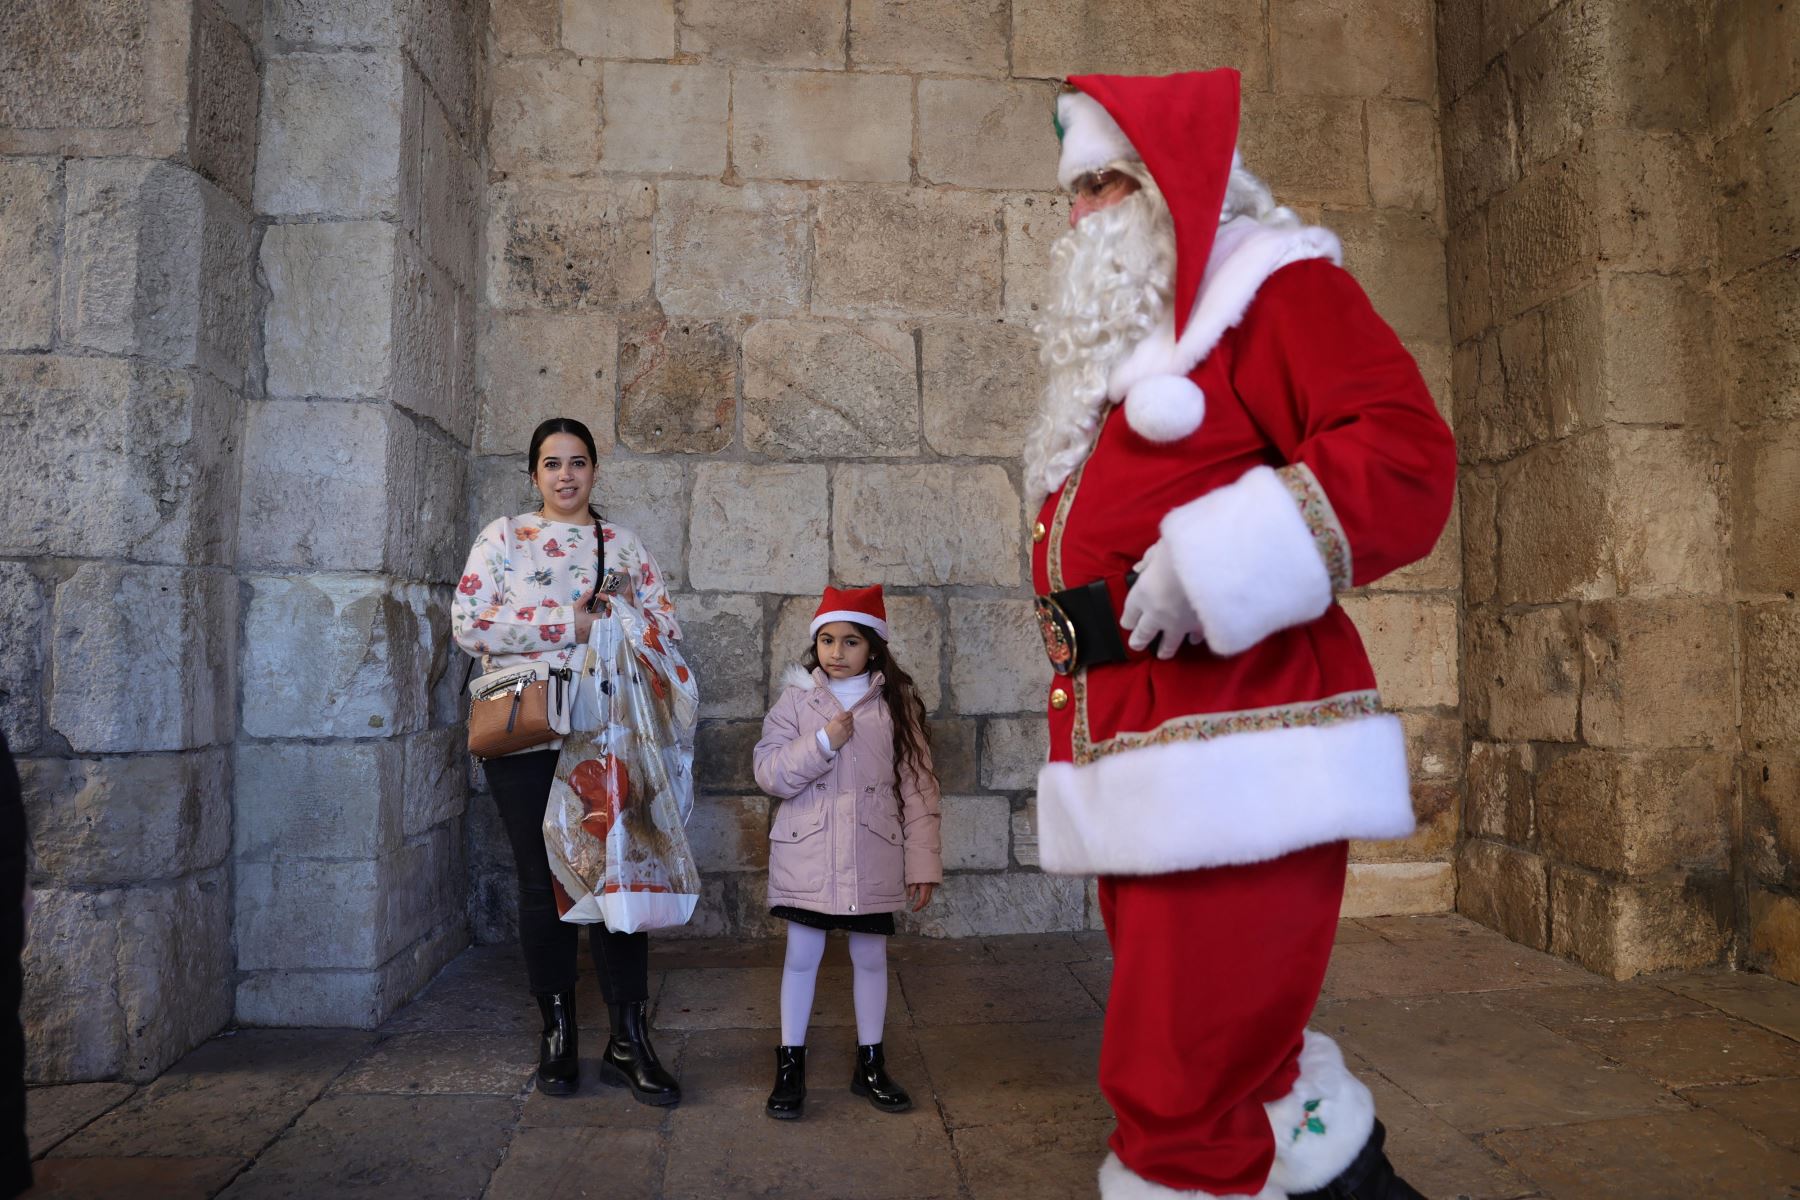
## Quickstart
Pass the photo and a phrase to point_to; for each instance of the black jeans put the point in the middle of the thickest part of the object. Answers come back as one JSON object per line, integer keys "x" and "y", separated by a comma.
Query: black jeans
{"x": 521, "y": 785}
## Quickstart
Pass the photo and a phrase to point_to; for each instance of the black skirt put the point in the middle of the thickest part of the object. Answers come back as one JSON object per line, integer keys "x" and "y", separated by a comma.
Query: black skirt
{"x": 882, "y": 923}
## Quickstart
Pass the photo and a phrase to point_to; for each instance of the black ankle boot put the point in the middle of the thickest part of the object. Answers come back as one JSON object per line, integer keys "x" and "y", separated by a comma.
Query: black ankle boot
{"x": 789, "y": 1096}
{"x": 871, "y": 1079}
{"x": 559, "y": 1067}
{"x": 630, "y": 1061}
{"x": 1370, "y": 1176}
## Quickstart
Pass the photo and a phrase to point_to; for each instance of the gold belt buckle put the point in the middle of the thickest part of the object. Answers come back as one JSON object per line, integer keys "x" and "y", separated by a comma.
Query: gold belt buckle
{"x": 1058, "y": 633}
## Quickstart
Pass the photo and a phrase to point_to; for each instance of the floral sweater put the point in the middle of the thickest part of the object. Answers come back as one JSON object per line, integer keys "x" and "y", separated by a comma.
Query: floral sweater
{"x": 515, "y": 601}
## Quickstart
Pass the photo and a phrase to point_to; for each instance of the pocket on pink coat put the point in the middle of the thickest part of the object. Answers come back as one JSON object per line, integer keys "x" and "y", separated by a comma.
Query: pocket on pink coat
{"x": 798, "y": 851}
{"x": 878, "y": 845}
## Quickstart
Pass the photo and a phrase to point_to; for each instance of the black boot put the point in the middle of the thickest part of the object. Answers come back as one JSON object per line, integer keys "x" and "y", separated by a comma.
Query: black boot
{"x": 630, "y": 1061}
{"x": 789, "y": 1096}
{"x": 871, "y": 1079}
{"x": 1370, "y": 1176}
{"x": 559, "y": 1067}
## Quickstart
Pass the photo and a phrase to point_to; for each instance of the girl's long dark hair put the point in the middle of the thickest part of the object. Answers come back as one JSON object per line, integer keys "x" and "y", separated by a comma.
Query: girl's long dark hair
{"x": 571, "y": 426}
{"x": 912, "y": 736}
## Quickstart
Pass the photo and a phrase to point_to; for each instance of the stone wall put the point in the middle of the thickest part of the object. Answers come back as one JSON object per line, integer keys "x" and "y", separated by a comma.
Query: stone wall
{"x": 783, "y": 255}
{"x": 1622, "y": 278}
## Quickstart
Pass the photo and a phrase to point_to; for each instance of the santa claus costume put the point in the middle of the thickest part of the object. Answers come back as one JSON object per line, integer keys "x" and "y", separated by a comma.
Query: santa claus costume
{"x": 1225, "y": 446}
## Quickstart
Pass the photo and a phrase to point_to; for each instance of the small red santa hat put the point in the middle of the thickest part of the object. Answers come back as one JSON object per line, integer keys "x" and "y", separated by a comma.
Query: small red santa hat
{"x": 862, "y": 605}
{"x": 1184, "y": 129}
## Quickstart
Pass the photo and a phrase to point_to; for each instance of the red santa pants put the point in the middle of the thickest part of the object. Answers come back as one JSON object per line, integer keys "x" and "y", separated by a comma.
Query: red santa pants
{"x": 1215, "y": 973}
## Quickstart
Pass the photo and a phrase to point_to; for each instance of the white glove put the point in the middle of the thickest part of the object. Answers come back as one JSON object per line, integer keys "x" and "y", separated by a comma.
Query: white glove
{"x": 1156, "y": 604}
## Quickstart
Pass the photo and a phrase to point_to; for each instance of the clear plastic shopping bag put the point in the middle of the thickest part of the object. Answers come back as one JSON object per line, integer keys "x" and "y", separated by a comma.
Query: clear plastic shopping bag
{"x": 624, "y": 785}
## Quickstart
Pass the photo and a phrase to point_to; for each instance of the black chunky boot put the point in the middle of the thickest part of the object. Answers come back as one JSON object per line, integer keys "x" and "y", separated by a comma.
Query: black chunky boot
{"x": 559, "y": 1067}
{"x": 1370, "y": 1176}
{"x": 789, "y": 1096}
{"x": 630, "y": 1061}
{"x": 871, "y": 1079}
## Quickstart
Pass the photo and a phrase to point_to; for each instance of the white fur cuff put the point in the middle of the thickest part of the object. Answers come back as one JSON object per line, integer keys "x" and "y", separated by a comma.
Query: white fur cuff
{"x": 1322, "y": 1124}
{"x": 1120, "y": 1182}
{"x": 1248, "y": 561}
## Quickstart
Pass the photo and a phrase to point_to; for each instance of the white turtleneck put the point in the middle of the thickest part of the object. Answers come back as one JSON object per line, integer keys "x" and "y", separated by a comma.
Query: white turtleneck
{"x": 848, "y": 692}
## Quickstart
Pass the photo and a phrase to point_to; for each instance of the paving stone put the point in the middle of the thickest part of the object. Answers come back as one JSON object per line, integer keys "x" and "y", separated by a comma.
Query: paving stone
{"x": 1006, "y": 1074}
{"x": 1566, "y": 1009}
{"x": 1759, "y": 999}
{"x": 1431, "y": 1154}
{"x": 929, "y": 951}
{"x": 482, "y": 989}
{"x": 1046, "y": 1160}
{"x": 347, "y": 1146}
{"x": 1466, "y": 962}
{"x": 1686, "y": 1051}
{"x": 1001, "y": 993}
{"x": 750, "y": 997}
{"x": 1096, "y": 976}
{"x": 437, "y": 1064}
{"x": 227, "y": 1099}
{"x": 721, "y": 952}
{"x": 1434, "y": 1046}
{"x": 53, "y": 1113}
{"x": 1770, "y": 1107}
{"x": 1042, "y": 948}
{"x": 597, "y": 1104}
{"x": 735, "y": 1066}
{"x": 1654, "y": 1157}
{"x": 568, "y": 1162}
{"x": 139, "y": 1178}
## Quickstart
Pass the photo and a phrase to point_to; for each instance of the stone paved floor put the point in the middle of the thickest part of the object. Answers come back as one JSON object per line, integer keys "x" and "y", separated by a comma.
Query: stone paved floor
{"x": 1499, "y": 1071}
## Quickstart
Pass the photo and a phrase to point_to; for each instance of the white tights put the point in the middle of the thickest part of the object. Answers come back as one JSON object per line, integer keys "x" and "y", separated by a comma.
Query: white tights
{"x": 799, "y": 974}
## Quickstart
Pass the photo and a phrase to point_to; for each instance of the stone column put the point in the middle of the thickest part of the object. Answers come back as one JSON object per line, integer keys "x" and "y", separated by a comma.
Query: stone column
{"x": 351, "y": 783}
{"x": 1598, "y": 636}
{"x": 127, "y": 135}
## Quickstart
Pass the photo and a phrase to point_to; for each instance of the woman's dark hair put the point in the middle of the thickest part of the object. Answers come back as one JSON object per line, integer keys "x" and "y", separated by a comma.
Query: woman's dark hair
{"x": 567, "y": 425}
{"x": 912, "y": 736}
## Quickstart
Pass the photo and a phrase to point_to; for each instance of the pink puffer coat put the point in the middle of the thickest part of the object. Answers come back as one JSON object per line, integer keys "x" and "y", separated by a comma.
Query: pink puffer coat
{"x": 842, "y": 842}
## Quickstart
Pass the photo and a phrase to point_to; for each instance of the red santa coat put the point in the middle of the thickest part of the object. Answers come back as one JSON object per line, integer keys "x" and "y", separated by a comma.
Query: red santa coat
{"x": 1321, "y": 463}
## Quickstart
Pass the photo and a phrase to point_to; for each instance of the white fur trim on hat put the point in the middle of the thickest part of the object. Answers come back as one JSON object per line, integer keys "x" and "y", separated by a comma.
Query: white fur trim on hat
{"x": 1165, "y": 408}
{"x": 849, "y": 614}
{"x": 1091, "y": 138}
{"x": 1120, "y": 1182}
{"x": 1313, "y": 1145}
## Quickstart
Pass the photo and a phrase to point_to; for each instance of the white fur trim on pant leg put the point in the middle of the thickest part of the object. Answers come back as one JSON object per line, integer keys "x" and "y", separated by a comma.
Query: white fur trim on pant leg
{"x": 1165, "y": 408}
{"x": 1091, "y": 138}
{"x": 1120, "y": 1182}
{"x": 1248, "y": 561}
{"x": 1322, "y": 1125}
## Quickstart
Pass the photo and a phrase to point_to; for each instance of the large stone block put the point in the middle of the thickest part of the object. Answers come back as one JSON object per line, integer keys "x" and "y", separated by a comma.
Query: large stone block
{"x": 730, "y": 833}
{"x": 1656, "y": 674}
{"x": 1765, "y": 501}
{"x": 337, "y": 22}
{"x": 1542, "y": 233}
{"x": 1398, "y": 889}
{"x": 1471, "y": 281}
{"x": 116, "y": 821}
{"x": 338, "y": 456}
{"x": 1481, "y": 154}
{"x": 1771, "y": 817}
{"x": 821, "y": 126}
{"x": 540, "y": 365}
{"x": 1345, "y": 48}
{"x": 435, "y": 779}
{"x": 443, "y": 38}
{"x": 115, "y": 622}
{"x": 30, "y": 227}
{"x": 1404, "y": 167}
{"x": 953, "y": 754}
{"x": 759, "y": 528}
{"x": 531, "y": 26}
{"x": 1412, "y": 642}
{"x": 1759, "y": 320}
{"x": 985, "y": 904}
{"x": 976, "y": 832}
{"x": 1033, "y": 224}
{"x": 22, "y": 682}
{"x": 677, "y": 384}
{"x": 71, "y": 970}
{"x": 955, "y": 37}
{"x": 1635, "y": 349}
{"x": 1500, "y": 405}
{"x": 1309, "y": 149}
{"x": 156, "y": 263}
{"x": 815, "y": 389}
{"x": 1667, "y": 513}
{"x": 175, "y": 971}
{"x": 1775, "y": 933}
{"x": 1555, "y": 518}
{"x": 545, "y": 117}
{"x": 331, "y": 133}
{"x": 354, "y": 999}
{"x": 1057, "y": 38}
{"x": 928, "y": 524}
{"x": 569, "y": 245}
{"x": 1769, "y": 649}
{"x": 168, "y": 439}
{"x": 1499, "y": 802}
{"x": 649, "y": 497}
{"x": 775, "y": 33}
{"x": 997, "y": 662}
{"x": 95, "y": 77}
{"x": 916, "y": 638}
{"x": 425, "y": 345}
{"x": 1751, "y": 52}
{"x": 1025, "y": 837}
{"x": 1012, "y": 751}
{"x": 1524, "y": 674}
{"x": 1499, "y": 23}
{"x": 332, "y": 656}
{"x": 1656, "y": 200}
{"x": 1506, "y": 889}
{"x": 1678, "y": 921}
{"x": 987, "y": 134}
{"x": 227, "y": 100}
{"x": 1434, "y": 746}
{"x": 666, "y": 118}
{"x": 619, "y": 28}
{"x": 493, "y": 879}
{"x": 421, "y": 883}
{"x": 1478, "y": 499}
{"x": 1636, "y": 814}
{"x": 1460, "y": 56}
{"x": 443, "y": 202}
{"x": 299, "y": 914}
{"x": 1399, "y": 259}
{"x": 722, "y": 640}
{"x": 337, "y": 800}
{"x": 981, "y": 383}
{"x": 328, "y": 330}
{"x": 724, "y": 758}
{"x": 1437, "y": 825}
{"x": 731, "y": 249}
{"x": 1759, "y": 202}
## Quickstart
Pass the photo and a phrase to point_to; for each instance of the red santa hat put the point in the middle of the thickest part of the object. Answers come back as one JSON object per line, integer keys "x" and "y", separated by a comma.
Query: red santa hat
{"x": 862, "y": 605}
{"x": 1184, "y": 129}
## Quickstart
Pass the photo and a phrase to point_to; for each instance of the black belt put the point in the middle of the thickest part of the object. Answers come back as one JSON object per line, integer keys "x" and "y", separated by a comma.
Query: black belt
{"x": 1080, "y": 627}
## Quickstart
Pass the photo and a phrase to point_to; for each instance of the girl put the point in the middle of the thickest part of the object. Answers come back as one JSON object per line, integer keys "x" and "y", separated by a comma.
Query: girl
{"x": 846, "y": 752}
{"x": 527, "y": 593}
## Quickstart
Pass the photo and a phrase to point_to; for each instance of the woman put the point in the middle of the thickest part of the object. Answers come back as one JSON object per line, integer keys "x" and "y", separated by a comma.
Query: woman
{"x": 529, "y": 592}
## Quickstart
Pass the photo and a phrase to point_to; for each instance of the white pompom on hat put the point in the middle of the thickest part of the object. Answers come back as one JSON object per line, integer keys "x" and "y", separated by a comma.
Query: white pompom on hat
{"x": 1165, "y": 408}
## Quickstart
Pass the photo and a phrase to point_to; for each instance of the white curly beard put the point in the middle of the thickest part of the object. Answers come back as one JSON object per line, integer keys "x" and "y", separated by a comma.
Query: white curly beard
{"x": 1113, "y": 275}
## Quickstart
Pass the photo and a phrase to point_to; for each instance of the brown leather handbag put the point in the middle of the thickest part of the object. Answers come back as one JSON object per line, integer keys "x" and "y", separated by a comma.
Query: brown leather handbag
{"x": 519, "y": 707}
